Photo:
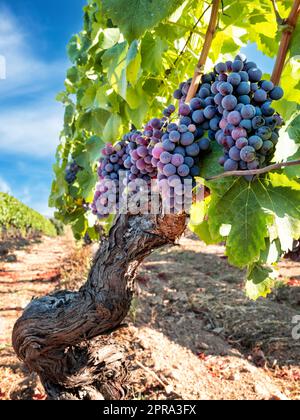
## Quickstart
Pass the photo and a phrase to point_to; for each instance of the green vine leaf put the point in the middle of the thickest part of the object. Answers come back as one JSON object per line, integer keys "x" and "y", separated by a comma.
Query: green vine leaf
{"x": 260, "y": 281}
{"x": 251, "y": 209}
{"x": 135, "y": 17}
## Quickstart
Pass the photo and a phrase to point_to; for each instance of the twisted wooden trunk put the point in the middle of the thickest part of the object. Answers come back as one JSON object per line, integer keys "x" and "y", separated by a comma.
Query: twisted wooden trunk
{"x": 55, "y": 336}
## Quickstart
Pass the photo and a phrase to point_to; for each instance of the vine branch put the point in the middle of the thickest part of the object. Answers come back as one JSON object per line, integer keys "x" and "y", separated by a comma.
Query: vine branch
{"x": 288, "y": 29}
{"x": 260, "y": 171}
{"x": 205, "y": 50}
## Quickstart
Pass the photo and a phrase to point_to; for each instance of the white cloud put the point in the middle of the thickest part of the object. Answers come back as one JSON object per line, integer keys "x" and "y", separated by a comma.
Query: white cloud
{"x": 4, "y": 186}
{"x": 32, "y": 130}
{"x": 33, "y": 127}
{"x": 25, "y": 72}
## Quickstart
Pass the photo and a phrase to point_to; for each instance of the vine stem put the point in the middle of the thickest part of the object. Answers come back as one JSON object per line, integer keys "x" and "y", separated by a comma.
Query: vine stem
{"x": 288, "y": 29}
{"x": 205, "y": 50}
{"x": 269, "y": 168}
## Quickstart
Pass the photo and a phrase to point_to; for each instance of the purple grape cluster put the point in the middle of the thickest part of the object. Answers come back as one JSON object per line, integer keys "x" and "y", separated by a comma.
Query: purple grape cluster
{"x": 249, "y": 126}
{"x": 71, "y": 172}
{"x": 107, "y": 189}
{"x": 177, "y": 159}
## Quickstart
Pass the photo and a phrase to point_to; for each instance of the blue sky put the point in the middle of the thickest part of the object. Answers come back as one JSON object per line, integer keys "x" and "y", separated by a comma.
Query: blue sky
{"x": 33, "y": 38}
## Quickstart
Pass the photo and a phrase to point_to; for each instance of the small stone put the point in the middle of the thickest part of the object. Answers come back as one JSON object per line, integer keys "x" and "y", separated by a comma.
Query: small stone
{"x": 202, "y": 346}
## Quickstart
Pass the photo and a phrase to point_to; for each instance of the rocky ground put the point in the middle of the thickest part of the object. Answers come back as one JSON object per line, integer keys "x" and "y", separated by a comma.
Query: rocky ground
{"x": 192, "y": 333}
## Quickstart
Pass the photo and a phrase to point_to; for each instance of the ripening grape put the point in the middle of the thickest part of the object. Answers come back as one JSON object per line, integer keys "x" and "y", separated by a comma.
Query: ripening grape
{"x": 183, "y": 170}
{"x": 234, "y": 117}
{"x": 230, "y": 165}
{"x": 187, "y": 139}
{"x": 248, "y": 154}
{"x": 234, "y": 153}
{"x": 260, "y": 95}
{"x": 237, "y": 65}
{"x": 276, "y": 93}
{"x": 169, "y": 170}
{"x": 229, "y": 102}
{"x": 204, "y": 144}
{"x": 255, "y": 74}
{"x": 177, "y": 160}
{"x": 193, "y": 150}
{"x": 242, "y": 142}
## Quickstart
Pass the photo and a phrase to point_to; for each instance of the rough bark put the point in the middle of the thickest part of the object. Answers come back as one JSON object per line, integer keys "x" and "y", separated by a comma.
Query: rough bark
{"x": 53, "y": 336}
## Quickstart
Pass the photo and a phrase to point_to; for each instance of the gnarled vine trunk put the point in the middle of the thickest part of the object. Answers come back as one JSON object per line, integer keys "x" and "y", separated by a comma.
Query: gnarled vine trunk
{"x": 55, "y": 336}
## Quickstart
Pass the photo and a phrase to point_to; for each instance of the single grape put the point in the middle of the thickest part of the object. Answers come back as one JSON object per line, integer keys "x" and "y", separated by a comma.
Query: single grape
{"x": 229, "y": 102}
{"x": 276, "y": 93}
{"x": 234, "y": 79}
{"x": 243, "y": 88}
{"x": 204, "y": 144}
{"x": 169, "y": 170}
{"x": 230, "y": 165}
{"x": 174, "y": 181}
{"x": 238, "y": 132}
{"x": 155, "y": 123}
{"x": 267, "y": 85}
{"x": 225, "y": 88}
{"x": 253, "y": 165}
{"x": 234, "y": 117}
{"x": 180, "y": 150}
{"x": 221, "y": 68}
{"x": 248, "y": 154}
{"x": 184, "y": 110}
{"x": 157, "y": 151}
{"x": 267, "y": 110}
{"x": 255, "y": 74}
{"x": 241, "y": 142}
{"x": 174, "y": 136}
{"x": 177, "y": 94}
{"x": 258, "y": 122}
{"x": 237, "y": 65}
{"x": 177, "y": 160}
{"x": 248, "y": 111}
{"x": 168, "y": 145}
{"x": 204, "y": 93}
{"x": 165, "y": 157}
{"x": 266, "y": 147}
{"x": 255, "y": 142}
{"x": 182, "y": 128}
{"x": 189, "y": 161}
{"x": 244, "y": 76}
{"x": 183, "y": 170}
{"x": 244, "y": 99}
{"x": 196, "y": 103}
{"x": 260, "y": 95}
{"x": 264, "y": 132}
{"x": 187, "y": 138}
{"x": 193, "y": 150}
{"x": 234, "y": 153}
{"x": 209, "y": 112}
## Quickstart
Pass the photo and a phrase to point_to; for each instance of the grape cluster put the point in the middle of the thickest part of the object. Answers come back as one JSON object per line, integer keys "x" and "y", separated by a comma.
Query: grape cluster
{"x": 232, "y": 105}
{"x": 107, "y": 189}
{"x": 71, "y": 172}
{"x": 249, "y": 126}
{"x": 177, "y": 159}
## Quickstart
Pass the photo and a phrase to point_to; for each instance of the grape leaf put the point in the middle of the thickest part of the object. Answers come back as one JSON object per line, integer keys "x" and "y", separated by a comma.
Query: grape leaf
{"x": 134, "y": 17}
{"x": 112, "y": 128}
{"x": 260, "y": 280}
{"x": 133, "y": 63}
{"x": 250, "y": 209}
{"x": 152, "y": 51}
